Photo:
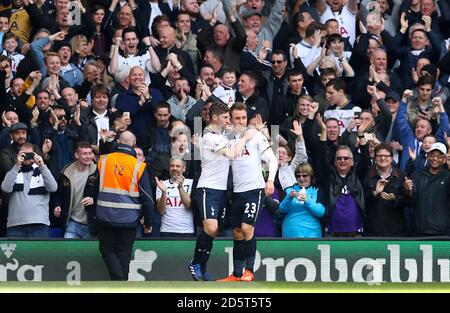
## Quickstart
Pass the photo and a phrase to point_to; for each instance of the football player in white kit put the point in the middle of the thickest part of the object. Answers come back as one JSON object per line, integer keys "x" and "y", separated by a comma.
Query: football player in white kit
{"x": 212, "y": 185}
{"x": 249, "y": 191}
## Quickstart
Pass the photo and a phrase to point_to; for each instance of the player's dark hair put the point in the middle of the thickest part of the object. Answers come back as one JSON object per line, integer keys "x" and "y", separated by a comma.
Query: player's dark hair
{"x": 218, "y": 108}
{"x": 238, "y": 106}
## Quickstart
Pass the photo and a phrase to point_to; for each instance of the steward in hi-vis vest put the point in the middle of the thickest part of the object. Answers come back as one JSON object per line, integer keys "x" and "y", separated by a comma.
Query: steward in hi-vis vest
{"x": 121, "y": 195}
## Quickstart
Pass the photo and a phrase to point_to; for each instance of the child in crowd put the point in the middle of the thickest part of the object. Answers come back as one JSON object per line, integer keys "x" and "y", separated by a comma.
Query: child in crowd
{"x": 10, "y": 49}
{"x": 226, "y": 90}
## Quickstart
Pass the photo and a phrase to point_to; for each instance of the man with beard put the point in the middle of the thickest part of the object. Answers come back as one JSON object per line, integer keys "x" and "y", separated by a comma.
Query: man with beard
{"x": 206, "y": 74}
{"x": 192, "y": 7}
{"x": 63, "y": 136}
{"x": 181, "y": 102}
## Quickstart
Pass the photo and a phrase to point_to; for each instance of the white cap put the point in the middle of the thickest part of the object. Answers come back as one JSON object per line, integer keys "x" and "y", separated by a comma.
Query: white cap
{"x": 439, "y": 146}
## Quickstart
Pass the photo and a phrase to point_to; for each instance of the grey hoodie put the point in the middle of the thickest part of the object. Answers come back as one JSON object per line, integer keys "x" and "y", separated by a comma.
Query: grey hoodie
{"x": 24, "y": 208}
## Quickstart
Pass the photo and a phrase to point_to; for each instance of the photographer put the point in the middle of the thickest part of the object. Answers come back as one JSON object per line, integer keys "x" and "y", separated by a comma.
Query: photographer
{"x": 29, "y": 182}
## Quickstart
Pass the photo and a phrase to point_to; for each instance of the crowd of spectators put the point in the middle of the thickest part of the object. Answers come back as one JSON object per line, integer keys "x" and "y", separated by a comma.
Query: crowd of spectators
{"x": 354, "y": 96}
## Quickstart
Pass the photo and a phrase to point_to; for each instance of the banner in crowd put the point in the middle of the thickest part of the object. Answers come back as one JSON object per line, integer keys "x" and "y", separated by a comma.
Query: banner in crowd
{"x": 371, "y": 261}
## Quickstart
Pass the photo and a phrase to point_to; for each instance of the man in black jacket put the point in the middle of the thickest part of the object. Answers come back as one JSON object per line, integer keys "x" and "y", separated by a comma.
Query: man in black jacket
{"x": 429, "y": 191}
{"x": 248, "y": 94}
{"x": 345, "y": 203}
{"x": 74, "y": 200}
{"x": 219, "y": 37}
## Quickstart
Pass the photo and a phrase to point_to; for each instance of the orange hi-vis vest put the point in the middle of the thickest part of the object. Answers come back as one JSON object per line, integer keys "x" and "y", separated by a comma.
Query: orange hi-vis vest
{"x": 118, "y": 198}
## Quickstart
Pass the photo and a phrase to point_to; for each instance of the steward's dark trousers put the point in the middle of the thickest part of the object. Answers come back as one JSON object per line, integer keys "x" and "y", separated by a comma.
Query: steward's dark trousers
{"x": 115, "y": 245}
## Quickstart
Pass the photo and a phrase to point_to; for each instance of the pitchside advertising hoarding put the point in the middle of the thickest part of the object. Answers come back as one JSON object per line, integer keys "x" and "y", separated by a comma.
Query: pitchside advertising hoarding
{"x": 276, "y": 260}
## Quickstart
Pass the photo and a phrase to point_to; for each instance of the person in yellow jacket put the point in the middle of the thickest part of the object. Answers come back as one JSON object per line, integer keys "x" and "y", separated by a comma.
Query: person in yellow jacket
{"x": 124, "y": 196}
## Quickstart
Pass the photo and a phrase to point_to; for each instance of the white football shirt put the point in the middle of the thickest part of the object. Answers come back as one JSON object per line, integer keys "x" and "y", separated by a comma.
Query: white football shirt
{"x": 344, "y": 116}
{"x": 346, "y": 20}
{"x": 142, "y": 61}
{"x": 247, "y": 168}
{"x": 215, "y": 166}
{"x": 177, "y": 218}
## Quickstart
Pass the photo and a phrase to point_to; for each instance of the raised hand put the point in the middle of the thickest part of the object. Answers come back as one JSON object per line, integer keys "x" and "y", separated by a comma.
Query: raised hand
{"x": 258, "y": 122}
{"x": 35, "y": 116}
{"x": 297, "y": 129}
{"x": 320, "y": 122}
{"x": 396, "y": 145}
{"x": 47, "y": 146}
{"x": 407, "y": 94}
{"x": 313, "y": 108}
{"x": 160, "y": 185}
{"x": 381, "y": 183}
{"x": 408, "y": 184}
{"x": 5, "y": 121}
{"x": 58, "y": 36}
{"x": 154, "y": 42}
{"x": 412, "y": 153}
{"x": 38, "y": 160}
{"x": 365, "y": 125}
{"x": 427, "y": 20}
{"x": 107, "y": 135}
{"x": 362, "y": 28}
{"x": 20, "y": 158}
{"x": 404, "y": 24}
{"x": 294, "y": 50}
{"x": 179, "y": 181}
{"x": 76, "y": 117}
{"x": 317, "y": 38}
{"x": 371, "y": 90}
{"x": 54, "y": 119}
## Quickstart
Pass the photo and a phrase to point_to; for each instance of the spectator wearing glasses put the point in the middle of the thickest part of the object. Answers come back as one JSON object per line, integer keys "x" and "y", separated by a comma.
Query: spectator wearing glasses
{"x": 63, "y": 137}
{"x": 383, "y": 190}
{"x": 303, "y": 210}
{"x": 342, "y": 183}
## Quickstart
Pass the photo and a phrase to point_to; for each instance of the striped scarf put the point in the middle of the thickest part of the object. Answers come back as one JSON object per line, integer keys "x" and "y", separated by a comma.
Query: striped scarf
{"x": 37, "y": 186}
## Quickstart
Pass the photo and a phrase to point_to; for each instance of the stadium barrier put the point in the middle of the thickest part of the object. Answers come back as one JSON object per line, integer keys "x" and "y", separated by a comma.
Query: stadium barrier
{"x": 371, "y": 261}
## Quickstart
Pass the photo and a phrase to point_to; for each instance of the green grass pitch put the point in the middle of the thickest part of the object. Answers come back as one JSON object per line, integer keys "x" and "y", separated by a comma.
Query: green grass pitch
{"x": 215, "y": 287}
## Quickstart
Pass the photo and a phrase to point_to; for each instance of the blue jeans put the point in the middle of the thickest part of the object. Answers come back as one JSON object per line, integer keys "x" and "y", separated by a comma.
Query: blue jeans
{"x": 76, "y": 230}
{"x": 28, "y": 231}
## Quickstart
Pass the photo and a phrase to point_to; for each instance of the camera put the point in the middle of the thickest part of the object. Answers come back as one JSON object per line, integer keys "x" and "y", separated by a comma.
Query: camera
{"x": 28, "y": 156}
